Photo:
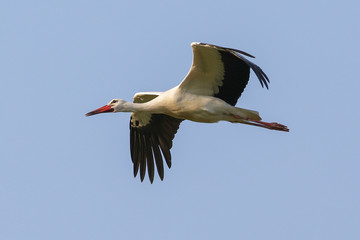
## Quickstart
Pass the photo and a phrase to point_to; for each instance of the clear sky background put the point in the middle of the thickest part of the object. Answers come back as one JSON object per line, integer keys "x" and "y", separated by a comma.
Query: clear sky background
{"x": 65, "y": 176}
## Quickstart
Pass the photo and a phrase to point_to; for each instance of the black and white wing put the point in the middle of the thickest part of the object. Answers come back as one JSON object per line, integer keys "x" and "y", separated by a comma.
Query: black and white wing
{"x": 220, "y": 72}
{"x": 151, "y": 138}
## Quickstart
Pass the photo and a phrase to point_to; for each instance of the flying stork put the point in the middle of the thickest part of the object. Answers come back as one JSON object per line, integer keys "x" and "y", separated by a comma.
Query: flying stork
{"x": 208, "y": 94}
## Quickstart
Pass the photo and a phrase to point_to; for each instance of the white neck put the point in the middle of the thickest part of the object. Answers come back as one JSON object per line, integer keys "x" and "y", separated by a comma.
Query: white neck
{"x": 141, "y": 107}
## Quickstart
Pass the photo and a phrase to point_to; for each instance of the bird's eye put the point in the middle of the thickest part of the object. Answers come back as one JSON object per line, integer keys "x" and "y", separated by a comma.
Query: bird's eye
{"x": 114, "y": 101}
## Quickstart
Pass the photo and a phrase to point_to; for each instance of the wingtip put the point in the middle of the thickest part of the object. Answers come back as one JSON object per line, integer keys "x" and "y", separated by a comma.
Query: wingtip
{"x": 161, "y": 176}
{"x": 151, "y": 178}
{"x": 194, "y": 44}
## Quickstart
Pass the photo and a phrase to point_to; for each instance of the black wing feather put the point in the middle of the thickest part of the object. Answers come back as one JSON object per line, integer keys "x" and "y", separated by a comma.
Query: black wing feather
{"x": 165, "y": 151}
{"x": 147, "y": 140}
{"x": 236, "y": 75}
{"x": 149, "y": 157}
{"x": 158, "y": 157}
{"x": 142, "y": 155}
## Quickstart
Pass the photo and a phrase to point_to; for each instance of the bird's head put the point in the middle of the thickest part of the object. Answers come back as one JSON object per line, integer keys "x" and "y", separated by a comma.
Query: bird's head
{"x": 115, "y": 105}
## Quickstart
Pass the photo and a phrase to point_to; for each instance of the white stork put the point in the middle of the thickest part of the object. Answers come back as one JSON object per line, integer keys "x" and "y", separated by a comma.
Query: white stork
{"x": 208, "y": 94}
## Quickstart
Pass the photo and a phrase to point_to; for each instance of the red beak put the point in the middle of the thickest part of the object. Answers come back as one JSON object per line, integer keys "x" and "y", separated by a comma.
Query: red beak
{"x": 103, "y": 109}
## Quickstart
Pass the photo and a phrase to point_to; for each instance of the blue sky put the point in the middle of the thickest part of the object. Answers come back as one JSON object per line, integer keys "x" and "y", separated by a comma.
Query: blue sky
{"x": 65, "y": 176}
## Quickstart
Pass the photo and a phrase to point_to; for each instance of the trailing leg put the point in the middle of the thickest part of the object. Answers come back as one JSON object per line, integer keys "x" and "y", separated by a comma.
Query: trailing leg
{"x": 257, "y": 123}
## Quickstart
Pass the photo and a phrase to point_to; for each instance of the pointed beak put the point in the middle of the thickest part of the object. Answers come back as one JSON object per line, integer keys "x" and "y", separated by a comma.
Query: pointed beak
{"x": 103, "y": 109}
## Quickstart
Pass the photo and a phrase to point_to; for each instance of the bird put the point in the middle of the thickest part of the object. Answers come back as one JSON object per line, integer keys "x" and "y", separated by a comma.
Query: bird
{"x": 207, "y": 94}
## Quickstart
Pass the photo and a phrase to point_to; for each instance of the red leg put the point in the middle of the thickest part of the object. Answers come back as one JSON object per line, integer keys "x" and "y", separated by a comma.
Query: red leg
{"x": 272, "y": 126}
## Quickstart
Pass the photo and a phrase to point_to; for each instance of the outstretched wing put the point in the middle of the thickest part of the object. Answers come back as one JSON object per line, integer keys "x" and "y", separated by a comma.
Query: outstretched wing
{"x": 151, "y": 138}
{"x": 220, "y": 72}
